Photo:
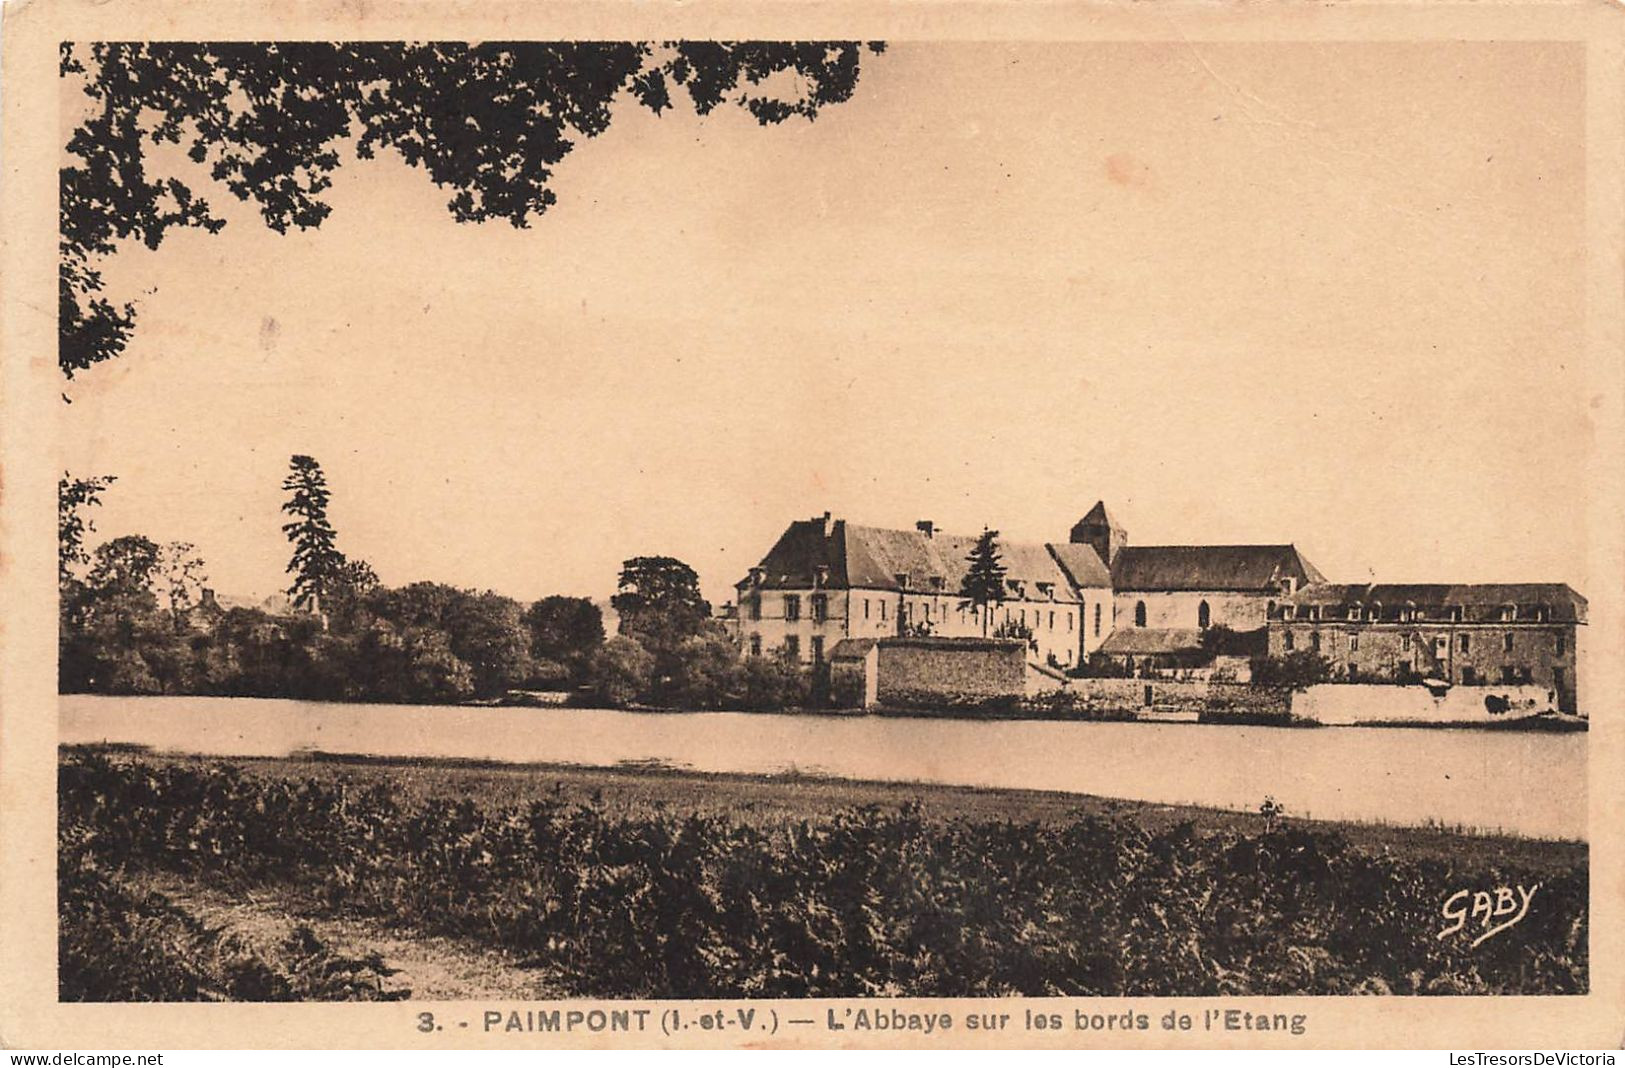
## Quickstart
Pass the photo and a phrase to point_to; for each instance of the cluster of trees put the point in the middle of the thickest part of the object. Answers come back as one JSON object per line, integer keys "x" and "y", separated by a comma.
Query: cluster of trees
{"x": 135, "y": 618}
{"x": 671, "y": 653}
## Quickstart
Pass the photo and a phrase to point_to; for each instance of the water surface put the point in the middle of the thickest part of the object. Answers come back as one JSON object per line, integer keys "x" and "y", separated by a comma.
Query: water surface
{"x": 1526, "y": 783}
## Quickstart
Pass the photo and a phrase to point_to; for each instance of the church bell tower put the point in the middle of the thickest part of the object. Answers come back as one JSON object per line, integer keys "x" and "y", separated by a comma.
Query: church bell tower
{"x": 1100, "y": 530}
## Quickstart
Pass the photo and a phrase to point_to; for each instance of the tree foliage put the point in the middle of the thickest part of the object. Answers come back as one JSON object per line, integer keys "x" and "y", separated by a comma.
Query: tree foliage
{"x": 180, "y": 578}
{"x": 488, "y": 122}
{"x": 1295, "y": 671}
{"x": 73, "y": 497}
{"x": 565, "y": 631}
{"x": 983, "y": 584}
{"x": 621, "y": 671}
{"x": 658, "y": 599}
{"x": 316, "y": 559}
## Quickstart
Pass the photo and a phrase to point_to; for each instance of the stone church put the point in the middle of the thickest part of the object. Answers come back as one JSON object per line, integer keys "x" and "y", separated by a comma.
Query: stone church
{"x": 1145, "y": 608}
{"x": 827, "y": 579}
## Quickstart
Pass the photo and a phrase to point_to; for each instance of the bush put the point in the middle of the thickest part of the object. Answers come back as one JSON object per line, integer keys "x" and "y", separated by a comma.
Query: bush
{"x": 772, "y": 684}
{"x": 622, "y": 670}
{"x": 1294, "y": 671}
{"x": 1073, "y": 704}
{"x": 864, "y": 903}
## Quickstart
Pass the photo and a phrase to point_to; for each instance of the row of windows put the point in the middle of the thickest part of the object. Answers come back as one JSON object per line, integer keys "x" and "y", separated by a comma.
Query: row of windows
{"x": 818, "y": 611}
{"x": 1406, "y": 613}
{"x": 792, "y": 646}
{"x": 1204, "y": 615}
{"x": 1441, "y": 642}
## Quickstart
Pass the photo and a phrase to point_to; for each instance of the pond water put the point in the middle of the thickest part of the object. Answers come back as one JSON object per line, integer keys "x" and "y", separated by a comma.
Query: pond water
{"x": 1527, "y": 783}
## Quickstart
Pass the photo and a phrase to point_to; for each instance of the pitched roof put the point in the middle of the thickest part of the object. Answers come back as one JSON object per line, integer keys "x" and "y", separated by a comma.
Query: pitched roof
{"x": 1210, "y": 567}
{"x": 873, "y": 558}
{"x": 1099, "y": 514}
{"x": 1082, "y": 564}
{"x": 876, "y": 556}
{"x": 1482, "y": 600}
{"x": 852, "y": 648}
{"x": 1141, "y": 641}
{"x": 801, "y": 550}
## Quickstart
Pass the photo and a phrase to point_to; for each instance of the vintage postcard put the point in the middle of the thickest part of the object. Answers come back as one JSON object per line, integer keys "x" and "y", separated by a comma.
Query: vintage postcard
{"x": 812, "y": 525}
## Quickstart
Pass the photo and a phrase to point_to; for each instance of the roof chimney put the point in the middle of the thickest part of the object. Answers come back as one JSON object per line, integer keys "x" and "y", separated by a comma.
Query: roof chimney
{"x": 826, "y": 521}
{"x": 926, "y": 527}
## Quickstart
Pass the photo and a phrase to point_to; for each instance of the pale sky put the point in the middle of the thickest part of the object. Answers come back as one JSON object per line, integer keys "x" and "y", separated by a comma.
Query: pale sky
{"x": 1320, "y": 293}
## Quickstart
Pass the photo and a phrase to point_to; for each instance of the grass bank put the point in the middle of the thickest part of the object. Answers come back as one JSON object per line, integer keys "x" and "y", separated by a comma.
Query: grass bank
{"x": 657, "y": 883}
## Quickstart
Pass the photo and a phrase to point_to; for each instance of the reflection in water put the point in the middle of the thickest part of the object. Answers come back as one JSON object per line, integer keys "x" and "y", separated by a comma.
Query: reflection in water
{"x": 1526, "y": 783}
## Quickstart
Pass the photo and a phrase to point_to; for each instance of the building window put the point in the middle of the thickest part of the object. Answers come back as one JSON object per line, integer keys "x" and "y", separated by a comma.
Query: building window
{"x": 1354, "y": 641}
{"x": 792, "y": 607}
{"x": 866, "y": 608}
{"x": 1508, "y": 675}
{"x": 1509, "y": 612}
{"x": 792, "y": 646}
{"x": 1097, "y": 619}
{"x": 818, "y": 648}
{"x": 1314, "y": 641}
{"x": 755, "y": 606}
{"x": 755, "y": 645}
{"x": 1069, "y": 622}
{"x": 1557, "y": 677}
{"x": 1287, "y": 641}
{"x": 1466, "y": 643}
{"x": 1441, "y": 647}
{"x": 1204, "y": 615}
{"x": 1469, "y": 677}
{"x": 1562, "y": 645}
{"x": 1354, "y": 611}
{"x": 1052, "y": 619}
{"x": 820, "y": 607}
{"x": 1139, "y": 613}
{"x": 1405, "y": 643}
{"x": 1405, "y": 668}
{"x": 883, "y": 611}
{"x": 1506, "y": 641}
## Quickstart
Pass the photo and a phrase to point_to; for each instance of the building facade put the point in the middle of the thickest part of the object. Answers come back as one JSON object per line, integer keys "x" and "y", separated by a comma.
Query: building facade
{"x": 1461, "y": 635}
{"x": 1149, "y": 609}
{"x": 827, "y": 579}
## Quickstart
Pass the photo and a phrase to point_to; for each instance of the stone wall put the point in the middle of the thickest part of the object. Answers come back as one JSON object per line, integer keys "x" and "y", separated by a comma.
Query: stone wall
{"x": 944, "y": 672}
{"x": 1160, "y": 695}
{"x": 1336, "y": 703}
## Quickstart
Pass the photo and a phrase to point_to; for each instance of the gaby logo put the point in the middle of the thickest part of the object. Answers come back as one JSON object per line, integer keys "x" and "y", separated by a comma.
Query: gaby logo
{"x": 1493, "y": 911}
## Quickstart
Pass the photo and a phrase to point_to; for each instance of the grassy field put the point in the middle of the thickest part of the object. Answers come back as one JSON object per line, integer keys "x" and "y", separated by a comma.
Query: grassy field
{"x": 342, "y": 879}
{"x": 780, "y": 800}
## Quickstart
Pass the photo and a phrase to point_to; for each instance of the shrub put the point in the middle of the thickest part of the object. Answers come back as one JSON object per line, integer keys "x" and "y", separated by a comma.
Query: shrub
{"x": 1294, "y": 671}
{"x": 622, "y": 670}
{"x": 864, "y": 903}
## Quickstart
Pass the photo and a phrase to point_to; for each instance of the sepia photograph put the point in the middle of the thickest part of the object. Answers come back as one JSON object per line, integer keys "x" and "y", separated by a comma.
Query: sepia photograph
{"x": 639, "y": 521}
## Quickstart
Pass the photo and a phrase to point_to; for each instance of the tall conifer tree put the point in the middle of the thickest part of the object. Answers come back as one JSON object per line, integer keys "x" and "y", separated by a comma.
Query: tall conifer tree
{"x": 316, "y": 558}
{"x": 983, "y": 584}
